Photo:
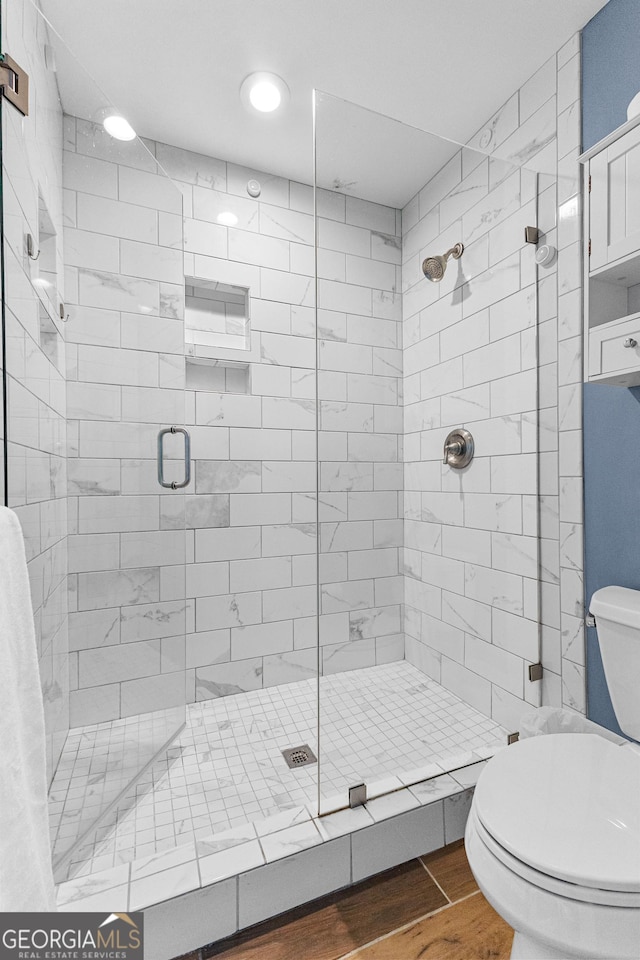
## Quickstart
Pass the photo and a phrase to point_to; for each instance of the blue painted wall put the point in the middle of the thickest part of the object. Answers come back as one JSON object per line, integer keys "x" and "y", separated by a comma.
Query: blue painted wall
{"x": 610, "y": 79}
{"x": 610, "y": 68}
{"x": 612, "y": 513}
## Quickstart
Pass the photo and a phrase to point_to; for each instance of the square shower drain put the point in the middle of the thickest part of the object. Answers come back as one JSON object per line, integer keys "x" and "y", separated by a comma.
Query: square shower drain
{"x": 299, "y": 756}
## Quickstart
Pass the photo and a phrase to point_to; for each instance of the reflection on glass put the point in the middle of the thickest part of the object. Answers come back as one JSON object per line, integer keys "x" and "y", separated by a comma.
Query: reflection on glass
{"x": 430, "y": 575}
{"x": 90, "y": 285}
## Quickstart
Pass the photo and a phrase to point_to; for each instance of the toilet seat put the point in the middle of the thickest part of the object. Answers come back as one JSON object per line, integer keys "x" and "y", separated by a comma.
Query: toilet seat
{"x": 559, "y": 888}
{"x": 563, "y": 812}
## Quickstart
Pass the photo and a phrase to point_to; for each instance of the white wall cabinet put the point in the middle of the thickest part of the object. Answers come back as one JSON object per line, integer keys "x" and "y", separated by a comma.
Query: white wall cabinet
{"x": 612, "y": 258}
{"x": 615, "y": 201}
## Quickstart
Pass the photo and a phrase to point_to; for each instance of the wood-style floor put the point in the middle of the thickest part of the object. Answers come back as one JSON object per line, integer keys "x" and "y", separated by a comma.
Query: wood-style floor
{"x": 427, "y": 909}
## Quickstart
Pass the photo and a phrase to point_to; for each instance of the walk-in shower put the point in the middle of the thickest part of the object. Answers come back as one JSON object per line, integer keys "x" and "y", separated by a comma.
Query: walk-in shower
{"x": 314, "y": 578}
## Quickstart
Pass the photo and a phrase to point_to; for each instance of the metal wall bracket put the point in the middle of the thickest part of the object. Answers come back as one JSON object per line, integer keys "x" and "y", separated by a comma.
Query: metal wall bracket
{"x": 358, "y": 795}
{"x": 590, "y": 620}
{"x": 14, "y": 84}
{"x": 512, "y": 738}
{"x": 531, "y": 234}
{"x": 535, "y": 672}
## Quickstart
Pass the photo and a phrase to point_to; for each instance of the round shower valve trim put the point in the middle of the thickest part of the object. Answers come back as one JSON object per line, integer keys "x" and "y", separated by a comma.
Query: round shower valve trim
{"x": 458, "y": 448}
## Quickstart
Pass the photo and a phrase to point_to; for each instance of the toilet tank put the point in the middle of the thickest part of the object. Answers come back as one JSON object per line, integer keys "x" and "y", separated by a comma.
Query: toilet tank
{"x": 617, "y": 613}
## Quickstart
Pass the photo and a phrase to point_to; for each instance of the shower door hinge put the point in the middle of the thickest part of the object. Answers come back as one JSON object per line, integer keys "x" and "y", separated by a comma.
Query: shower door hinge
{"x": 14, "y": 84}
{"x": 358, "y": 795}
{"x": 531, "y": 234}
{"x": 589, "y": 183}
{"x": 589, "y": 246}
{"x": 535, "y": 672}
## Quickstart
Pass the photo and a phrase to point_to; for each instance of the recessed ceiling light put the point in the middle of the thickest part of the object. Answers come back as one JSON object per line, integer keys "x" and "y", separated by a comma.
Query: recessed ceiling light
{"x": 227, "y": 219}
{"x": 264, "y": 92}
{"x": 118, "y": 127}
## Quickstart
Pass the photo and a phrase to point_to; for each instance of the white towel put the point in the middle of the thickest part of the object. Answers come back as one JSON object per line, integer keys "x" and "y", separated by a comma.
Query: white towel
{"x": 26, "y": 875}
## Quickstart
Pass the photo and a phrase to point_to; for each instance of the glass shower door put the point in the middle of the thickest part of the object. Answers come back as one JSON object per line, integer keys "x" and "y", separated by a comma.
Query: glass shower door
{"x": 3, "y": 386}
{"x": 430, "y": 575}
{"x": 96, "y": 411}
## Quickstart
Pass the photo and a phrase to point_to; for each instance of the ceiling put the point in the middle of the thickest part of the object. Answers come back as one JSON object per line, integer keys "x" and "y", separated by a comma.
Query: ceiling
{"x": 174, "y": 70}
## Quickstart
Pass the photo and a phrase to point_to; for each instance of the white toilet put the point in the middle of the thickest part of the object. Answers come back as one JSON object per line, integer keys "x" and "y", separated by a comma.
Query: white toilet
{"x": 553, "y": 836}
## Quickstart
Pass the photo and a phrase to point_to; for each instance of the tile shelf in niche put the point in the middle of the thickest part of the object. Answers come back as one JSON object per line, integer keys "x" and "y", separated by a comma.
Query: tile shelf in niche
{"x": 201, "y": 352}
{"x": 217, "y": 376}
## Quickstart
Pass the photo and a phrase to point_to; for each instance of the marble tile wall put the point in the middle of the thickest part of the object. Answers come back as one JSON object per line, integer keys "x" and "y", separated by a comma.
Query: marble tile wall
{"x": 125, "y": 381}
{"x": 468, "y": 357}
{"x": 35, "y": 354}
{"x": 565, "y": 681}
{"x": 471, "y": 352}
{"x": 360, "y": 445}
{"x": 250, "y": 512}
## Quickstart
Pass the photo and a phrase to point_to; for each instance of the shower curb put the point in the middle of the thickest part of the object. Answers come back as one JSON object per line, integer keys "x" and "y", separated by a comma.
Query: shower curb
{"x": 191, "y": 898}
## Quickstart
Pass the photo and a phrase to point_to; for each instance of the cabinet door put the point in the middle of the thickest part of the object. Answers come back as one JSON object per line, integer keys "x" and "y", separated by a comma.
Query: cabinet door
{"x": 615, "y": 201}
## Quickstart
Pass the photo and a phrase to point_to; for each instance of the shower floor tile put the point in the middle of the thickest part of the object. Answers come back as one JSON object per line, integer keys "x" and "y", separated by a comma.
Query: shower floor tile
{"x": 377, "y": 724}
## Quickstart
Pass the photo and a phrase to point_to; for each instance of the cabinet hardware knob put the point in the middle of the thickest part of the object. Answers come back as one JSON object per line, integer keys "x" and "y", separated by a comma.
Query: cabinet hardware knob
{"x": 630, "y": 342}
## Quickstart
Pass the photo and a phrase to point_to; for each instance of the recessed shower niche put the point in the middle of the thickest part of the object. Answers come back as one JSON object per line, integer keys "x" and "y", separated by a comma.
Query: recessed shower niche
{"x": 216, "y": 314}
{"x": 217, "y": 330}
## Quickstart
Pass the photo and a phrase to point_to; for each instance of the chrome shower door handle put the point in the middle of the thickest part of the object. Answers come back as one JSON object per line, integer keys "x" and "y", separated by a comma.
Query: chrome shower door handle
{"x": 173, "y": 484}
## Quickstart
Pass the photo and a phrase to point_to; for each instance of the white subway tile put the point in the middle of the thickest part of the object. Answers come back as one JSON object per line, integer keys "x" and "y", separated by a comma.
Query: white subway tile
{"x": 232, "y": 543}
{"x": 502, "y": 590}
{"x": 463, "y": 543}
{"x": 261, "y": 639}
{"x": 289, "y": 351}
{"x": 286, "y": 539}
{"x": 290, "y": 667}
{"x": 209, "y": 239}
{"x": 260, "y": 444}
{"x": 469, "y": 686}
{"x": 148, "y": 190}
{"x": 227, "y": 410}
{"x": 117, "y": 219}
{"x": 538, "y": 89}
{"x": 208, "y": 647}
{"x": 467, "y": 615}
{"x": 215, "y": 613}
{"x": 267, "y": 574}
{"x": 494, "y": 664}
{"x": 442, "y": 637}
{"x": 206, "y": 579}
{"x": 289, "y": 602}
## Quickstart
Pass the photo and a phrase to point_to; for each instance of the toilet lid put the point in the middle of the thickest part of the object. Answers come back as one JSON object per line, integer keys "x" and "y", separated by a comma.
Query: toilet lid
{"x": 567, "y": 805}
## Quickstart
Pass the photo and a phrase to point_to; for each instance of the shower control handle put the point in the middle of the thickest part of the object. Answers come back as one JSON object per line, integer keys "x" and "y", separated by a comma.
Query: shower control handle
{"x": 455, "y": 448}
{"x": 630, "y": 342}
{"x": 458, "y": 448}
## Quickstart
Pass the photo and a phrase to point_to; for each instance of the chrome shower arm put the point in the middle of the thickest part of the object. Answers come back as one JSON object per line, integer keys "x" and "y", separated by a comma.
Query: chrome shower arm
{"x": 455, "y": 251}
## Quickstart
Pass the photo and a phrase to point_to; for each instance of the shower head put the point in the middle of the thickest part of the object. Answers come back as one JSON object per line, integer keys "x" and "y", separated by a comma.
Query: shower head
{"x": 434, "y": 267}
